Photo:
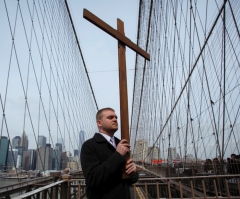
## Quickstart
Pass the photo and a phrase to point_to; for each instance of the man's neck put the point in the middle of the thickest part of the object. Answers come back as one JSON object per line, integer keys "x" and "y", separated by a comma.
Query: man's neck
{"x": 111, "y": 134}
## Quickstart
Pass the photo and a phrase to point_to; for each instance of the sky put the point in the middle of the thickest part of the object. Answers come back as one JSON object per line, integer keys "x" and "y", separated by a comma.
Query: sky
{"x": 100, "y": 53}
{"x": 100, "y": 49}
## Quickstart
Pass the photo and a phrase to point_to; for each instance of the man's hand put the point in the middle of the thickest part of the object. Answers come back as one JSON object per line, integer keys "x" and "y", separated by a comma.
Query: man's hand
{"x": 123, "y": 147}
{"x": 130, "y": 167}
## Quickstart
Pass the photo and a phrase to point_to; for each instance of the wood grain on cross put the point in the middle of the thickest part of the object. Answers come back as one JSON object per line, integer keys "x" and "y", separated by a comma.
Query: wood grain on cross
{"x": 122, "y": 42}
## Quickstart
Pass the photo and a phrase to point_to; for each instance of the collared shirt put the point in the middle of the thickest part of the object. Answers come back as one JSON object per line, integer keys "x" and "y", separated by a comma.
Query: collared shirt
{"x": 108, "y": 138}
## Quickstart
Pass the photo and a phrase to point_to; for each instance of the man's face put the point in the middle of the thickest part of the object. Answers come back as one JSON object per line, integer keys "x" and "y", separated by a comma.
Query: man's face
{"x": 108, "y": 122}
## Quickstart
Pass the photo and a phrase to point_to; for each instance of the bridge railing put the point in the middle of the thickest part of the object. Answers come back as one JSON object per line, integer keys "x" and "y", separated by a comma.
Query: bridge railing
{"x": 183, "y": 170}
{"x": 71, "y": 188}
{"x": 214, "y": 186}
{"x": 52, "y": 191}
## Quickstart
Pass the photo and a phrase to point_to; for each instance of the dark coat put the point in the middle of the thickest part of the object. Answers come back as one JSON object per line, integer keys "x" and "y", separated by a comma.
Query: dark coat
{"x": 102, "y": 167}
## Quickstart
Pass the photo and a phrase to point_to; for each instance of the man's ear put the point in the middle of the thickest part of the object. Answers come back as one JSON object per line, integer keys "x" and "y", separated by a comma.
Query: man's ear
{"x": 99, "y": 124}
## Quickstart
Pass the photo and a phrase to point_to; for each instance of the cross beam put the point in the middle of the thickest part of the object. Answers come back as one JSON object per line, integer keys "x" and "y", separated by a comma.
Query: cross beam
{"x": 122, "y": 41}
{"x": 114, "y": 33}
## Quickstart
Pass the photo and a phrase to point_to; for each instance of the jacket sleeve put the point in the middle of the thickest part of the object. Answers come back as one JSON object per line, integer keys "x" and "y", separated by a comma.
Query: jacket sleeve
{"x": 133, "y": 179}
{"x": 98, "y": 174}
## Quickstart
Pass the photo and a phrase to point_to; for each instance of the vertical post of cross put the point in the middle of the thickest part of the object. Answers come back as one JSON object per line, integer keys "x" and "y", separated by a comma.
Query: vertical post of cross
{"x": 123, "y": 85}
{"x": 123, "y": 89}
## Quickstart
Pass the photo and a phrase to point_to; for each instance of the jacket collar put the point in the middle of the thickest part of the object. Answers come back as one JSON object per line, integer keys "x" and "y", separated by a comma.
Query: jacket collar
{"x": 99, "y": 138}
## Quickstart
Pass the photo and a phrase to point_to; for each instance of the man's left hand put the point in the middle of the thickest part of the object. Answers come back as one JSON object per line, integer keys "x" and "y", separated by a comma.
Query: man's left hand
{"x": 130, "y": 167}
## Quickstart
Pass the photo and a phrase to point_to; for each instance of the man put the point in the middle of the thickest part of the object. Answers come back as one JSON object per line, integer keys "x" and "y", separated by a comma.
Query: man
{"x": 234, "y": 165}
{"x": 103, "y": 162}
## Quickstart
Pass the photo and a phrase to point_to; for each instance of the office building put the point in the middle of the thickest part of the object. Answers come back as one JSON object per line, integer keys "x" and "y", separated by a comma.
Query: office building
{"x": 72, "y": 165}
{"x": 141, "y": 150}
{"x": 76, "y": 152}
{"x": 16, "y": 142}
{"x": 29, "y": 160}
{"x": 4, "y": 144}
{"x": 19, "y": 162}
{"x": 44, "y": 158}
{"x": 20, "y": 150}
{"x": 24, "y": 141}
{"x": 60, "y": 141}
{"x": 48, "y": 145}
{"x": 153, "y": 153}
{"x": 81, "y": 141}
{"x": 59, "y": 147}
{"x": 172, "y": 154}
{"x": 42, "y": 140}
{"x": 56, "y": 159}
{"x": 64, "y": 160}
{"x": 12, "y": 158}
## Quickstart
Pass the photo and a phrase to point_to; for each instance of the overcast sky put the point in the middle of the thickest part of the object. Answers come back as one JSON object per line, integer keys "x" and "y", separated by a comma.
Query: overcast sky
{"x": 100, "y": 49}
{"x": 100, "y": 52}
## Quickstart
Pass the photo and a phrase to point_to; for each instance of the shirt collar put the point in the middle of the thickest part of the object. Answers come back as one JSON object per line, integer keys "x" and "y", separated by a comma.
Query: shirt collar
{"x": 107, "y": 137}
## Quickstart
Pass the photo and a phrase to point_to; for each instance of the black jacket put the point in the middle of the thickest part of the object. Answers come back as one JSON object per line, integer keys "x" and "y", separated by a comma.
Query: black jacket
{"x": 102, "y": 168}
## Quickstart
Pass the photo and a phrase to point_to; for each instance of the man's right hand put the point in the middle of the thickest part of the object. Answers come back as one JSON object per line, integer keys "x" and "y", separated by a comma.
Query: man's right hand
{"x": 123, "y": 147}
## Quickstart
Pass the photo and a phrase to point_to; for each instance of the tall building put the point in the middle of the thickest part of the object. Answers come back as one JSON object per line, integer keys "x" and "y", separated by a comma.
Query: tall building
{"x": 81, "y": 141}
{"x": 42, "y": 140}
{"x": 24, "y": 141}
{"x": 48, "y": 145}
{"x": 141, "y": 150}
{"x": 56, "y": 159}
{"x": 44, "y": 158}
{"x": 29, "y": 160}
{"x": 60, "y": 141}
{"x": 19, "y": 162}
{"x": 76, "y": 152}
{"x": 20, "y": 150}
{"x": 4, "y": 144}
{"x": 26, "y": 160}
{"x": 64, "y": 160}
{"x": 172, "y": 154}
{"x": 12, "y": 158}
{"x": 16, "y": 142}
{"x": 69, "y": 156}
{"x": 72, "y": 165}
{"x": 153, "y": 153}
{"x": 59, "y": 147}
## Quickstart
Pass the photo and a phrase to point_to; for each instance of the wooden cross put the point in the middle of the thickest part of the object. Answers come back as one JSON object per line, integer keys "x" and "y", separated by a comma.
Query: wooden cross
{"x": 122, "y": 42}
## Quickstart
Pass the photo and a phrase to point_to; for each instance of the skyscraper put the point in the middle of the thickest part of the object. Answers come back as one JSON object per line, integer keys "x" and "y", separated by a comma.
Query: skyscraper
{"x": 4, "y": 144}
{"x": 29, "y": 160}
{"x": 75, "y": 152}
{"x": 42, "y": 140}
{"x": 20, "y": 150}
{"x": 81, "y": 141}
{"x": 60, "y": 141}
{"x": 24, "y": 141}
{"x": 56, "y": 159}
{"x": 141, "y": 150}
{"x": 16, "y": 142}
{"x": 153, "y": 153}
{"x": 44, "y": 158}
{"x": 12, "y": 158}
{"x": 26, "y": 160}
{"x": 19, "y": 162}
{"x": 59, "y": 146}
{"x": 64, "y": 160}
{"x": 172, "y": 154}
